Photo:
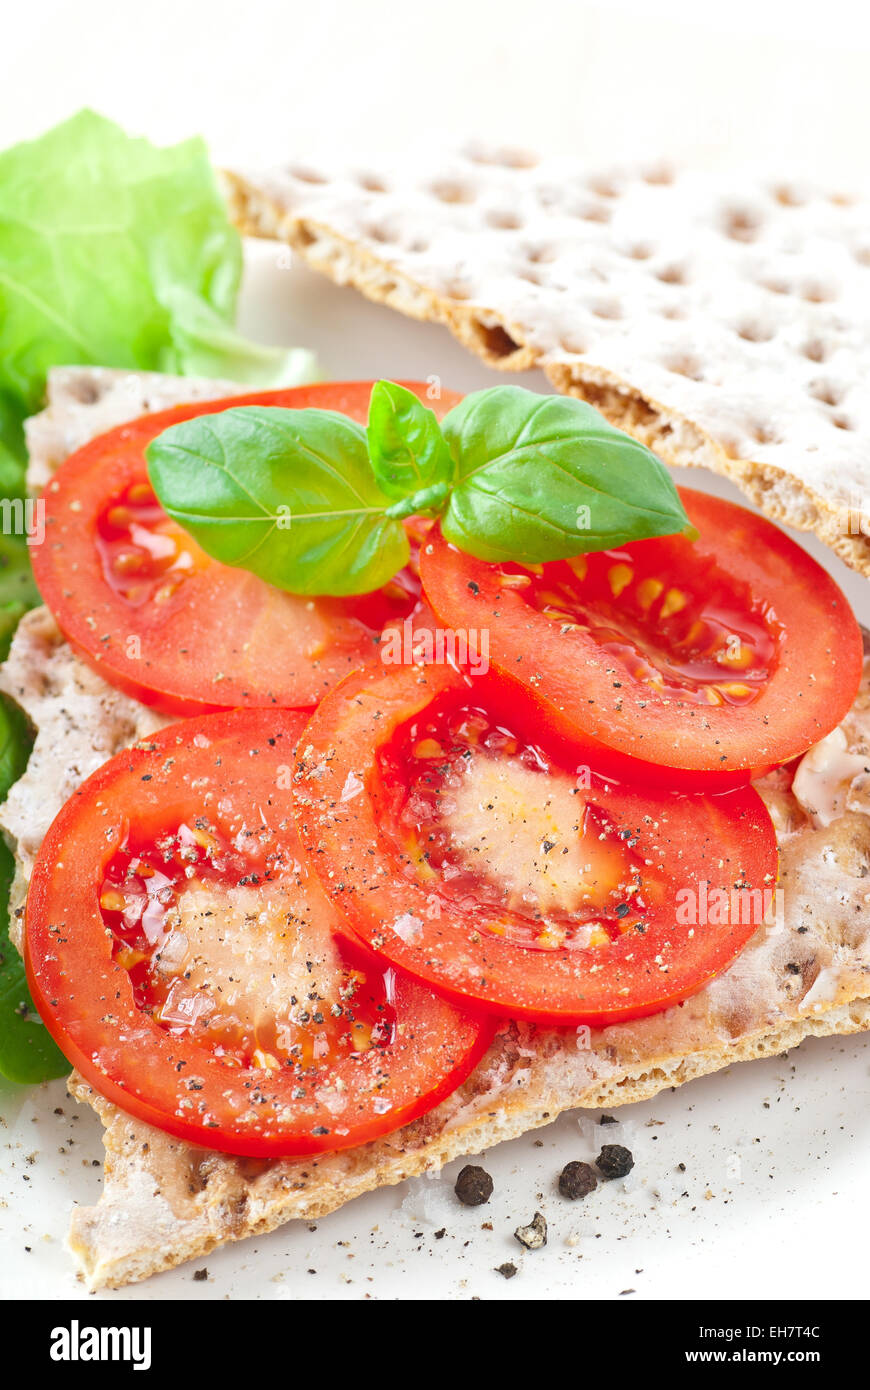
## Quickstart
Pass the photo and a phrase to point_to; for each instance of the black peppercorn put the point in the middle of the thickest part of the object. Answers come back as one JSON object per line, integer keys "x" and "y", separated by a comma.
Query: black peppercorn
{"x": 577, "y": 1180}
{"x": 473, "y": 1186}
{"x": 614, "y": 1162}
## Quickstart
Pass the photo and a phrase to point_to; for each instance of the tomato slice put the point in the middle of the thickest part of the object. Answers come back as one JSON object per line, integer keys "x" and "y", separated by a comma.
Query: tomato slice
{"x": 467, "y": 842}
{"x": 685, "y": 664}
{"x": 162, "y": 621}
{"x": 194, "y": 971}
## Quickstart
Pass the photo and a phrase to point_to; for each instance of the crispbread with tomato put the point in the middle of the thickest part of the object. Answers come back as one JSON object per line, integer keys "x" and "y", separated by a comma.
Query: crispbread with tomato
{"x": 802, "y": 971}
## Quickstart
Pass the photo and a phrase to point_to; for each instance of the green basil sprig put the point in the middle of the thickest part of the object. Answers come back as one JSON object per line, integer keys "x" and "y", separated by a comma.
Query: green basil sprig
{"x": 311, "y": 502}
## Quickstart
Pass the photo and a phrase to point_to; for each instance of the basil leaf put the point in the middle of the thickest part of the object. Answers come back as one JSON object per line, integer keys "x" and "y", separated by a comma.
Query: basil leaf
{"x": 408, "y": 452}
{"x": 288, "y": 494}
{"x": 546, "y": 477}
{"x": 27, "y": 1052}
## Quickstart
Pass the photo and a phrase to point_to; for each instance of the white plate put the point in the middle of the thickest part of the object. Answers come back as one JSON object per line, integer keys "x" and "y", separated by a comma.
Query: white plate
{"x": 772, "y": 1199}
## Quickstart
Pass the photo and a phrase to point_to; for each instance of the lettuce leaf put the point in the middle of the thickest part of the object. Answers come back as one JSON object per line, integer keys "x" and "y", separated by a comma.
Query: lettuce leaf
{"x": 18, "y": 591}
{"x": 118, "y": 253}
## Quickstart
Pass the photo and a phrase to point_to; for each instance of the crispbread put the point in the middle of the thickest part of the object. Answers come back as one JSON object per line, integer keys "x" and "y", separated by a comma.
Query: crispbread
{"x": 724, "y": 323}
{"x": 81, "y": 723}
{"x": 163, "y": 1202}
{"x": 84, "y": 396}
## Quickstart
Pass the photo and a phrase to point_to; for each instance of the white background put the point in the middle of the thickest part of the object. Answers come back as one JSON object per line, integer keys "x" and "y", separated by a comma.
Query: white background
{"x": 780, "y": 81}
{"x": 772, "y": 1201}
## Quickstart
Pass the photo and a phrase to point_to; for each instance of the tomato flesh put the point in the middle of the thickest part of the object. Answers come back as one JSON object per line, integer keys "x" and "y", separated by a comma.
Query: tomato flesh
{"x": 693, "y": 665}
{"x": 144, "y": 556}
{"x": 442, "y": 770}
{"x": 161, "y": 620}
{"x": 156, "y": 896}
{"x": 467, "y": 841}
{"x": 709, "y": 645}
{"x": 195, "y": 972}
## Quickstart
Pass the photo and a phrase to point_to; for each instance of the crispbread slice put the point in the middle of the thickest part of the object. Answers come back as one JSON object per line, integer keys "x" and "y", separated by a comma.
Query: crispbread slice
{"x": 165, "y": 1202}
{"x": 805, "y": 974}
{"x": 724, "y": 323}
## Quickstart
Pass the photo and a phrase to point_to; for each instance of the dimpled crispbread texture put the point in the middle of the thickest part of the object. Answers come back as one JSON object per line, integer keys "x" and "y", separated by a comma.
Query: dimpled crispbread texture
{"x": 79, "y": 721}
{"x": 87, "y": 401}
{"x": 726, "y": 323}
{"x": 164, "y": 1201}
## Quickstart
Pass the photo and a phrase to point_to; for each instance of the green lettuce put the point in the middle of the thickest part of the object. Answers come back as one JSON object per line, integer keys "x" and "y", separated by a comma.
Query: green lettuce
{"x": 118, "y": 253}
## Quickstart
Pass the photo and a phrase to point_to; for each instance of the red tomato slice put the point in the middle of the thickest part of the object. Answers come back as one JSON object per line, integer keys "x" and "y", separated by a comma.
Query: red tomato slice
{"x": 187, "y": 962}
{"x": 161, "y": 620}
{"x": 685, "y": 664}
{"x": 467, "y": 843}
